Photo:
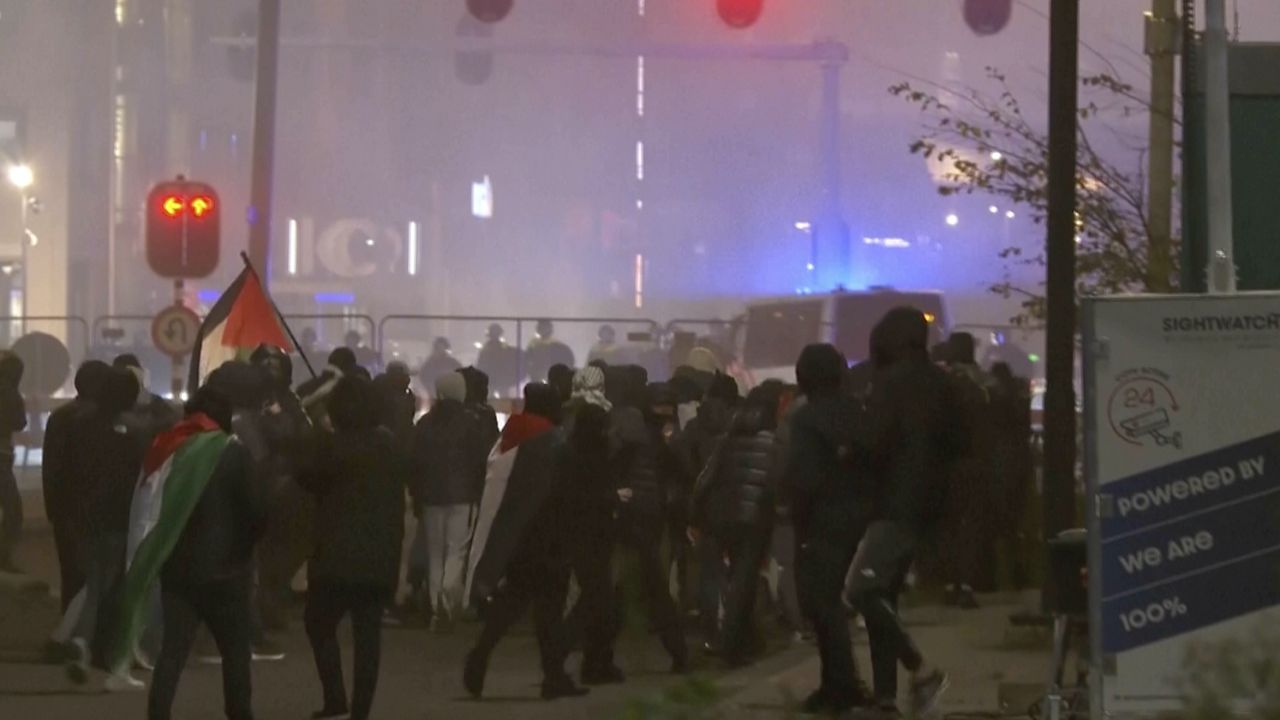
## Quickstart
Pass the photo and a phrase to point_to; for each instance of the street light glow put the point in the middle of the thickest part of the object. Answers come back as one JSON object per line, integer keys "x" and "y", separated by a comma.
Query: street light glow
{"x": 21, "y": 176}
{"x": 996, "y": 155}
{"x": 953, "y": 219}
{"x": 993, "y": 209}
{"x": 1009, "y": 214}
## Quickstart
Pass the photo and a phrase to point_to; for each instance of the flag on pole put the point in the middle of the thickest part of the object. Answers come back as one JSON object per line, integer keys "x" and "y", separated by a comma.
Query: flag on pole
{"x": 175, "y": 473}
{"x": 242, "y": 319}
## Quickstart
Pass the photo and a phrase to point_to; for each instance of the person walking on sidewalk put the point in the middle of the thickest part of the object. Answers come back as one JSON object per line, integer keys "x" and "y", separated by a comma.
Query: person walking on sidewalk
{"x": 449, "y": 455}
{"x": 915, "y": 435}
{"x": 360, "y": 484}
{"x": 735, "y": 502}
{"x": 829, "y": 516}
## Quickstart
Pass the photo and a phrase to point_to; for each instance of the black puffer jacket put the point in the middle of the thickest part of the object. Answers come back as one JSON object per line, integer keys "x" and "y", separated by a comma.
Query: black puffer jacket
{"x": 740, "y": 484}
{"x": 450, "y": 449}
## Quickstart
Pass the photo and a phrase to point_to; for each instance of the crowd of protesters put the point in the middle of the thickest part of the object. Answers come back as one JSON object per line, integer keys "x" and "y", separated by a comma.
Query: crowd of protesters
{"x": 832, "y": 491}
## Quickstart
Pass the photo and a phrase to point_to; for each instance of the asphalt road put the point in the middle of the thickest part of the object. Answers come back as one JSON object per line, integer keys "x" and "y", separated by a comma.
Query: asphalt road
{"x": 421, "y": 678}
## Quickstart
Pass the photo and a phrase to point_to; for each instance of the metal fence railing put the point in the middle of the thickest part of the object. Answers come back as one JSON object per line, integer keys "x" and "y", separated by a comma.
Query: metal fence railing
{"x": 512, "y": 349}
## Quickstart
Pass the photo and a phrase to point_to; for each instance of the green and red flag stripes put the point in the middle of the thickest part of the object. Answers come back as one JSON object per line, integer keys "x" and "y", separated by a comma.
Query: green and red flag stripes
{"x": 175, "y": 473}
{"x": 242, "y": 319}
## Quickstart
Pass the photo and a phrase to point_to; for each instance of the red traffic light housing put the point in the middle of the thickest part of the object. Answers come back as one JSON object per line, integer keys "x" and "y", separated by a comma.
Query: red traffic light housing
{"x": 740, "y": 13}
{"x": 183, "y": 229}
{"x": 987, "y": 17}
{"x": 490, "y": 11}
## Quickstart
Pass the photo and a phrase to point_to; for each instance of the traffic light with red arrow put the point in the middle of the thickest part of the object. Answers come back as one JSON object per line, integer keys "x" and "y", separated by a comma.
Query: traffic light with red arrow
{"x": 183, "y": 229}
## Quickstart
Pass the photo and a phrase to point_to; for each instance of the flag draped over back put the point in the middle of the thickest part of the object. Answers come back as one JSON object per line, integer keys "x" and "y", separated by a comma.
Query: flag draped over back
{"x": 241, "y": 320}
{"x": 519, "y": 479}
{"x": 175, "y": 472}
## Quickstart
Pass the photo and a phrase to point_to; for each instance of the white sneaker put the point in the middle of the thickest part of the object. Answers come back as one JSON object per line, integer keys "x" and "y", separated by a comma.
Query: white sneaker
{"x": 143, "y": 661}
{"x": 123, "y": 683}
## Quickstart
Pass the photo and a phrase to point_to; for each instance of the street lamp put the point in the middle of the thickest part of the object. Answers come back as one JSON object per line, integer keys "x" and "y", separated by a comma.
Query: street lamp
{"x": 21, "y": 176}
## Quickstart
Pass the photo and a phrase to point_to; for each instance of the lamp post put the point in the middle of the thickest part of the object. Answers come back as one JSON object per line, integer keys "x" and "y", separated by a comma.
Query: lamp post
{"x": 21, "y": 177}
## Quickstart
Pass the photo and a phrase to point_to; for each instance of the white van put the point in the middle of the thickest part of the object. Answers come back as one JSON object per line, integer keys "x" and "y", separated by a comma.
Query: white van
{"x": 771, "y": 334}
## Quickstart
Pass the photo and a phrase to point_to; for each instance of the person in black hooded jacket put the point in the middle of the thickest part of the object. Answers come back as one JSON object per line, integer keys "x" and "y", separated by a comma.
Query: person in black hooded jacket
{"x": 289, "y": 438}
{"x": 355, "y": 564}
{"x": 527, "y": 569}
{"x": 828, "y": 513}
{"x": 64, "y": 508}
{"x": 108, "y": 461}
{"x": 643, "y": 461}
{"x": 477, "y": 402}
{"x": 735, "y": 502}
{"x": 208, "y": 577}
{"x": 913, "y": 438}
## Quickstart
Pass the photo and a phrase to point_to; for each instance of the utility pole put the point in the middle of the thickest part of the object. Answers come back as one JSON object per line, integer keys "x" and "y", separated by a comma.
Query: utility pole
{"x": 264, "y": 132}
{"x": 1194, "y": 235}
{"x": 1217, "y": 107}
{"x": 1162, "y": 46}
{"x": 1059, "y": 404}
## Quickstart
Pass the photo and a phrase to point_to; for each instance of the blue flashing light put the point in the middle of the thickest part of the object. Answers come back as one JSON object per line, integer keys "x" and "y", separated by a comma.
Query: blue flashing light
{"x": 208, "y": 297}
{"x": 335, "y": 298}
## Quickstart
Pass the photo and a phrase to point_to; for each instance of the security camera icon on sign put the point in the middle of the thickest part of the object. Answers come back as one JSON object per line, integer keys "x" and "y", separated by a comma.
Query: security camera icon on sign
{"x": 1154, "y": 424}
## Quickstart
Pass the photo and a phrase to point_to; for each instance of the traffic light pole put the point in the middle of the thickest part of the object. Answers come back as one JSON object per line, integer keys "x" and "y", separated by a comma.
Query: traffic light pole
{"x": 179, "y": 361}
{"x": 1060, "y": 405}
{"x": 264, "y": 131}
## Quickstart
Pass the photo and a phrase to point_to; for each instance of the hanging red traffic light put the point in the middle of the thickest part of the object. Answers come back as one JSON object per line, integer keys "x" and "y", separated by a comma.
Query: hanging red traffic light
{"x": 183, "y": 229}
{"x": 490, "y": 11}
{"x": 987, "y": 17}
{"x": 740, "y": 13}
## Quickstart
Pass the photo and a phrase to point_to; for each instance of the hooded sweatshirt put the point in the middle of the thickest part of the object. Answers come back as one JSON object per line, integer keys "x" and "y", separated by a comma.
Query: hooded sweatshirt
{"x": 916, "y": 430}
{"x": 450, "y": 448}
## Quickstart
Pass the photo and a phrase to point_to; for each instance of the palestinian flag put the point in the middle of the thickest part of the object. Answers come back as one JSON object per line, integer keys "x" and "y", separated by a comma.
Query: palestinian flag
{"x": 175, "y": 473}
{"x": 242, "y": 319}
{"x": 519, "y": 479}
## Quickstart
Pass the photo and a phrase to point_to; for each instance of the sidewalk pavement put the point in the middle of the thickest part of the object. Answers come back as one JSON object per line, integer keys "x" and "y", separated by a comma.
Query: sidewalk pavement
{"x": 995, "y": 669}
